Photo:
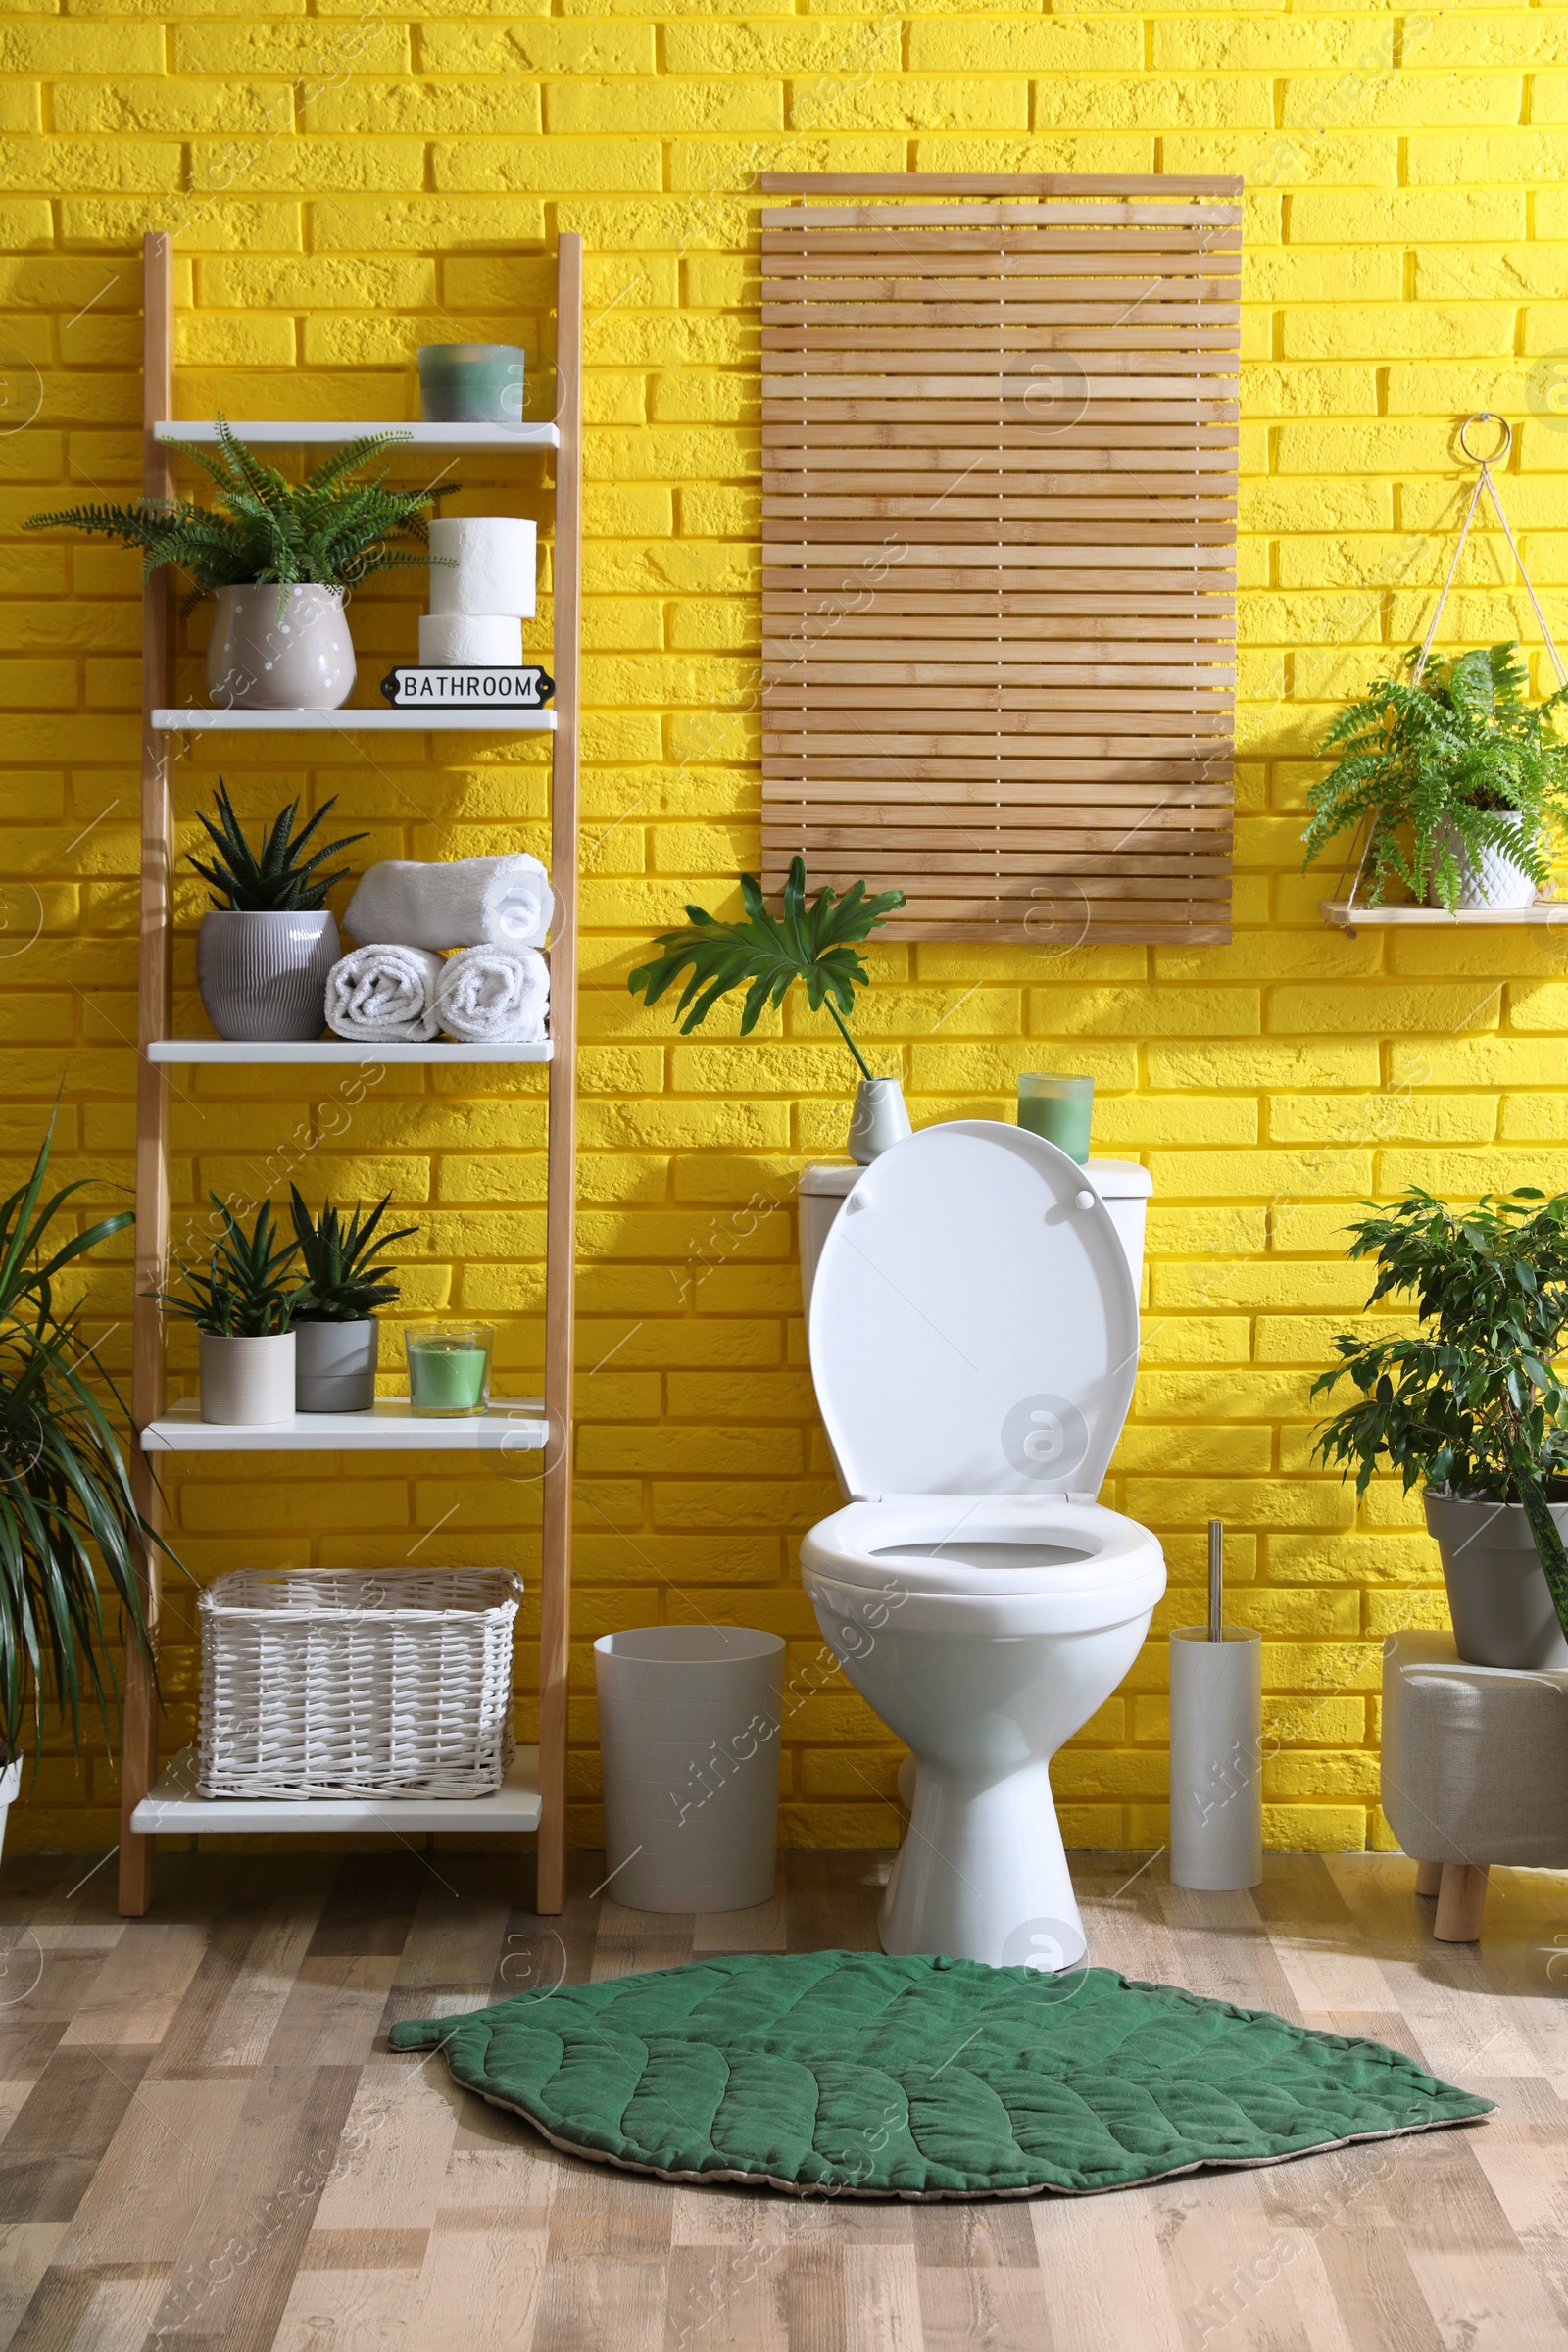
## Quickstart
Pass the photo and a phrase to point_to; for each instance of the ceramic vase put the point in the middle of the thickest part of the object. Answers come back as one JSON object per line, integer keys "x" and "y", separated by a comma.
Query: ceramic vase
{"x": 279, "y": 648}
{"x": 262, "y": 976}
{"x": 879, "y": 1118}
{"x": 1498, "y": 1597}
{"x": 1493, "y": 880}
{"x": 246, "y": 1383}
{"x": 334, "y": 1366}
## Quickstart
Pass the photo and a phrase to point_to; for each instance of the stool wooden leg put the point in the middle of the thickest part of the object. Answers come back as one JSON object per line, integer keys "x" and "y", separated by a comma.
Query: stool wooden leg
{"x": 1428, "y": 1877}
{"x": 1461, "y": 1899}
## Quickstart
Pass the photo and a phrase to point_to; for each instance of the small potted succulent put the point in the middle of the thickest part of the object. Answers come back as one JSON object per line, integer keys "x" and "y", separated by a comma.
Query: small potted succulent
{"x": 336, "y": 1336}
{"x": 279, "y": 557}
{"x": 814, "y": 945}
{"x": 1459, "y": 781}
{"x": 267, "y": 946}
{"x": 1471, "y": 1404}
{"x": 243, "y": 1307}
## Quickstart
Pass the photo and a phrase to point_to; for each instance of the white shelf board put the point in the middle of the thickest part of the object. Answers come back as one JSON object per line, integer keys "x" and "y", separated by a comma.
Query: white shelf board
{"x": 1358, "y": 919}
{"x": 171, "y": 1804}
{"x": 314, "y": 432}
{"x": 337, "y": 1048}
{"x": 200, "y": 719}
{"x": 516, "y": 1423}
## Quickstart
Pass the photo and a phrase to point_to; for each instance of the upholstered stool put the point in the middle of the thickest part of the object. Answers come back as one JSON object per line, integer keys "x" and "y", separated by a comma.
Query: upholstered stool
{"x": 1475, "y": 1771}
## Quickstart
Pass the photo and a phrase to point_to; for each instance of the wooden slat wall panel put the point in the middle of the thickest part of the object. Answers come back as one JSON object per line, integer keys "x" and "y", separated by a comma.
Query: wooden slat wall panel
{"x": 999, "y": 544}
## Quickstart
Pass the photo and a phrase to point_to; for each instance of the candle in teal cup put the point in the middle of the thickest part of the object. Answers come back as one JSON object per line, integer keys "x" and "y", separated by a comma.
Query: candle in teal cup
{"x": 1057, "y": 1109}
{"x": 448, "y": 1368}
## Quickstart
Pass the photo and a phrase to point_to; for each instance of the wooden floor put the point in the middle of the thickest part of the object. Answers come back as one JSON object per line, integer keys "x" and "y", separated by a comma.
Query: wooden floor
{"x": 206, "y": 2141}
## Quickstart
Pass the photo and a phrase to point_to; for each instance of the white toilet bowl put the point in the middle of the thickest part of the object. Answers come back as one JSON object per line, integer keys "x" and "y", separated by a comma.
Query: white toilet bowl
{"x": 975, "y": 1318}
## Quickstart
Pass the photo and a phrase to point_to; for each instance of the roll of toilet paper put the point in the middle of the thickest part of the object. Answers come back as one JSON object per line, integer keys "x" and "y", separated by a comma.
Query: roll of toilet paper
{"x": 480, "y": 640}
{"x": 494, "y": 558}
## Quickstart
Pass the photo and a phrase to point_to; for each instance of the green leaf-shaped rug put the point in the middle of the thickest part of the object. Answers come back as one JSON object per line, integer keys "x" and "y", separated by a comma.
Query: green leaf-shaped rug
{"x": 850, "y": 2074}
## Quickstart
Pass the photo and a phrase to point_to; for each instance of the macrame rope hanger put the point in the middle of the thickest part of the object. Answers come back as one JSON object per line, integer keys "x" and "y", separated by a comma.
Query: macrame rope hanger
{"x": 1485, "y": 480}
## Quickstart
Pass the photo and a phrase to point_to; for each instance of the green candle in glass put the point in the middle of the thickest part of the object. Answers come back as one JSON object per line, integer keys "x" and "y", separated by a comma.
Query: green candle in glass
{"x": 1057, "y": 1109}
{"x": 448, "y": 1368}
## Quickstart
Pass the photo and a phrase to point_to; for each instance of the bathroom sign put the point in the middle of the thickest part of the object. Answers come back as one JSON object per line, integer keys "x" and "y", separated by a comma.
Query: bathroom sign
{"x": 524, "y": 687}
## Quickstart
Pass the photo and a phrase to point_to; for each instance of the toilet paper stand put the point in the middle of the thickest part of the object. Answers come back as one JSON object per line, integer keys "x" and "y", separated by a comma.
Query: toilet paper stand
{"x": 1216, "y": 1737}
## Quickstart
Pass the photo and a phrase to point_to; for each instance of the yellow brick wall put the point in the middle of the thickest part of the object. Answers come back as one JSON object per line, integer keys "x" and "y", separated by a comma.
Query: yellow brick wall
{"x": 343, "y": 183}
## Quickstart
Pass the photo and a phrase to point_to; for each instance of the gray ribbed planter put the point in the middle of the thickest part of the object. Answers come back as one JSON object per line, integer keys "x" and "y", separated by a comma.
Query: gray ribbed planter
{"x": 263, "y": 977}
{"x": 334, "y": 1366}
{"x": 276, "y": 649}
{"x": 1497, "y": 1596}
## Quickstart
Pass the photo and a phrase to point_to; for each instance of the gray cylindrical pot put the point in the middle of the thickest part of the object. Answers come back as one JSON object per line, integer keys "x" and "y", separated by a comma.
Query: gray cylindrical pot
{"x": 334, "y": 1366}
{"x": 263, "y": 977}
{"x": 879, "y": 1119}
{"x": 689, "y": 1724}
{"x": 1498, "y": 1597}
{"x": 1216, "y": 1766}
{"x": 247, "y": 1381}
{"x": 279, "y": 648}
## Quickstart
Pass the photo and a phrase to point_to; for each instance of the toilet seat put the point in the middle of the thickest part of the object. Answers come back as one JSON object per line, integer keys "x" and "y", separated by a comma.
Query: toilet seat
{"x": 869, "y": 1562}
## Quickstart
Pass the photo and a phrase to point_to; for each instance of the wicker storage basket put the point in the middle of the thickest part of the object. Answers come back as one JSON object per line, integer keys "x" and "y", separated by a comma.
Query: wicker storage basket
{"x": 382, "y": 1682}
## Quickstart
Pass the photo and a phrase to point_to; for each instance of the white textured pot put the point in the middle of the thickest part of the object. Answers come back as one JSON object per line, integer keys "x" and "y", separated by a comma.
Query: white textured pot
{"x": 1495, "y": 880}
{"x": 1498, "y": 1597}
{"x": 247, "y": 1381}
{"x": 334, "y": 1366}
{"x": 279, "y": 648}
{"x": 10, "y": 1783}
{"x": 878, "y": 1120}
{"x": 262, "y": 976}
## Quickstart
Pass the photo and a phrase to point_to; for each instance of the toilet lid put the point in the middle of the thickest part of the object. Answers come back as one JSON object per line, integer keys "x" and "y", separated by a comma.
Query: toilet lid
{"x": 974, "y": 1323}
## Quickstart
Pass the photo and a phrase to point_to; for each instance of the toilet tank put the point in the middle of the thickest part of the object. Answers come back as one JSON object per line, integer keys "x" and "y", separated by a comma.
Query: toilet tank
{"x": 1123, "y": 1184}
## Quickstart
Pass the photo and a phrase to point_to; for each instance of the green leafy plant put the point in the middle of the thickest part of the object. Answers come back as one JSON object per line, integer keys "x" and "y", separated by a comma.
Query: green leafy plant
{"x": 814, "y": 945}
{"x": 345, "y": 1275}
{"x": 274, "y": 878}
{"x": 329, "y": 528}
{"x": 1472, "y": 1401}
{"x": 250, "y": 1288}
{"x": 1461, "y": 760}
{"x": 66, "y": 1510}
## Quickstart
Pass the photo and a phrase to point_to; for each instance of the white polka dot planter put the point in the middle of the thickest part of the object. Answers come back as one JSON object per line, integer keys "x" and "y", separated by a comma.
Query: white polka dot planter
{"x": 279, "y": 648}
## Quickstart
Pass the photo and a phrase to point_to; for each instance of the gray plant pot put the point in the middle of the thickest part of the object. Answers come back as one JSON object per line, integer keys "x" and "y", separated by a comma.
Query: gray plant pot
{"x": 247, "y": 1381}
{"x": 1497, "y": 1596}
{"x": 334, "y": 1366}
{"x": 276, "y": 649}
{"x": 879, "y": 1119}
{"x": 263, "y": 977}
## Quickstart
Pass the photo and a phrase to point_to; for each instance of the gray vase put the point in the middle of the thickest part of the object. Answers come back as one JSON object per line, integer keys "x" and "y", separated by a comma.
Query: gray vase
{"x": 334, "y": 1366}
{"x": 879, "y": 1120}
{"x": 279, "y": 648}
{"x": 263, "y": 977}
{"x": 1498, "y": 1597}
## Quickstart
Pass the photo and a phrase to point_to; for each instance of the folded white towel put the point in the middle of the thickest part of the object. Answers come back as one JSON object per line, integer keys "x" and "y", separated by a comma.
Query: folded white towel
{"x": 467, "y": 903}
{"x": 494, "y": 994}
{"x": 384, "y": 994}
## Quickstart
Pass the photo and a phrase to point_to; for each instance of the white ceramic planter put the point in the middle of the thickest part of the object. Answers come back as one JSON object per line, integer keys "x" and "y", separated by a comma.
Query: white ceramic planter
{"x": 879, "y": 1119}
{"x": 1495, "y": 880}
{"x": 279, "y": 648}
{"x": 334, "y": 1366}
{"x": 263, "y": 976}
{"x": 10, "y": 1783}
{"x": 247, "y": 1381}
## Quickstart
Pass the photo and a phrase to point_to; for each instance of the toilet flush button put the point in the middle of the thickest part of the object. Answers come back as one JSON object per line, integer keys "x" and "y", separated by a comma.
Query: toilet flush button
{"x": 1084, "y": 1199}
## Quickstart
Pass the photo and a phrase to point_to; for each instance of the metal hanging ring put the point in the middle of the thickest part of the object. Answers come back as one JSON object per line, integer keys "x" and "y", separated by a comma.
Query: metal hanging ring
{"x": 1487, "y": 417}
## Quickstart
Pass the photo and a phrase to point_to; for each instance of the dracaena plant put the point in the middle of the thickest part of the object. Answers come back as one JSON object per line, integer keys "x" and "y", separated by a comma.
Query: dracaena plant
{"x": 275, "y": 878}
{"x": 346, "y": 1277}
{"x": 250, "y": 1288}
{"x": 767, "y": 953}
{"x": 330, "y": 529}
{"x": 1463, "y": 759}
{"x": 1471, "y": 1399}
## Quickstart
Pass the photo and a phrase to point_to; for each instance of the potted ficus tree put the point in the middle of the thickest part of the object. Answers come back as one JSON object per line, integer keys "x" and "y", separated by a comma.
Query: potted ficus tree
{"x": 767, "y": 955}
{"x": 268, "y": 942}
{"x": 1472, "y": 1405}
{"x": 243, "y": 1305}
{"x": 1458, "y": 779}
{"x": 336, "y": 1336}
{"x": 278, "y": 557}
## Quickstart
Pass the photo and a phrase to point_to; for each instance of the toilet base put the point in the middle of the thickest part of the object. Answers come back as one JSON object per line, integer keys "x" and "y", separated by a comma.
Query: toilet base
{"x": 982, "y": 1875}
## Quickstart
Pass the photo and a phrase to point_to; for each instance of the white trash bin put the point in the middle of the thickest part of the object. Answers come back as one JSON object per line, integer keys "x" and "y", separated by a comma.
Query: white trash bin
{"x": 689, "y": 1723}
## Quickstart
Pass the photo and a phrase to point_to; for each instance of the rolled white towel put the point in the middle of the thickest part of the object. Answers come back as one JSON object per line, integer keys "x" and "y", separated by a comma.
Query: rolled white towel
{"x": 467, "y": 902}
{"x": 494, "y": 994}
{"x": 384, "y": 994}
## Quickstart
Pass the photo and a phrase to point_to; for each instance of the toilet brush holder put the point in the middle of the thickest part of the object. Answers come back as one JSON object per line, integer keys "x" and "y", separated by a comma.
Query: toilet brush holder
{"x": 1216, "y": 1737}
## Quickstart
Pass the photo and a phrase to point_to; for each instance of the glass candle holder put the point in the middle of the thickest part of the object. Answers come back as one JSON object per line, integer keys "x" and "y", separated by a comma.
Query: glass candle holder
{"x": 448, "y": 1368}
{"x": 1058, "y": 1108}
{"x": 471, "y": 383}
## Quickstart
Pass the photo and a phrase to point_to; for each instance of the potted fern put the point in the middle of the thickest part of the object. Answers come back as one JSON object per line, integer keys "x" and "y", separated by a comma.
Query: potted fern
{"x": 336, "y": 1336}
{"x": 243, "y": 1307}
{"x": 814, "y": 945}
{"x": 278, "y": 557}
{"x": 1458, "y": 779}
{"x": 268, "y": 942}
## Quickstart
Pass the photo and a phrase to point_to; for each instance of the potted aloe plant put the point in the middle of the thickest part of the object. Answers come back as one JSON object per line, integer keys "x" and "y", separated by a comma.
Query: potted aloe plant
{"x": 814, "y": 944}
{"x": 1459, "y": 781}
{"x": 336, "y": 1336}
{"x": 268, "y": 942}
{"x": 1472, "y": 1405}
{"x": 243, "y": 1307}
{"x": 278, "y": 557}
